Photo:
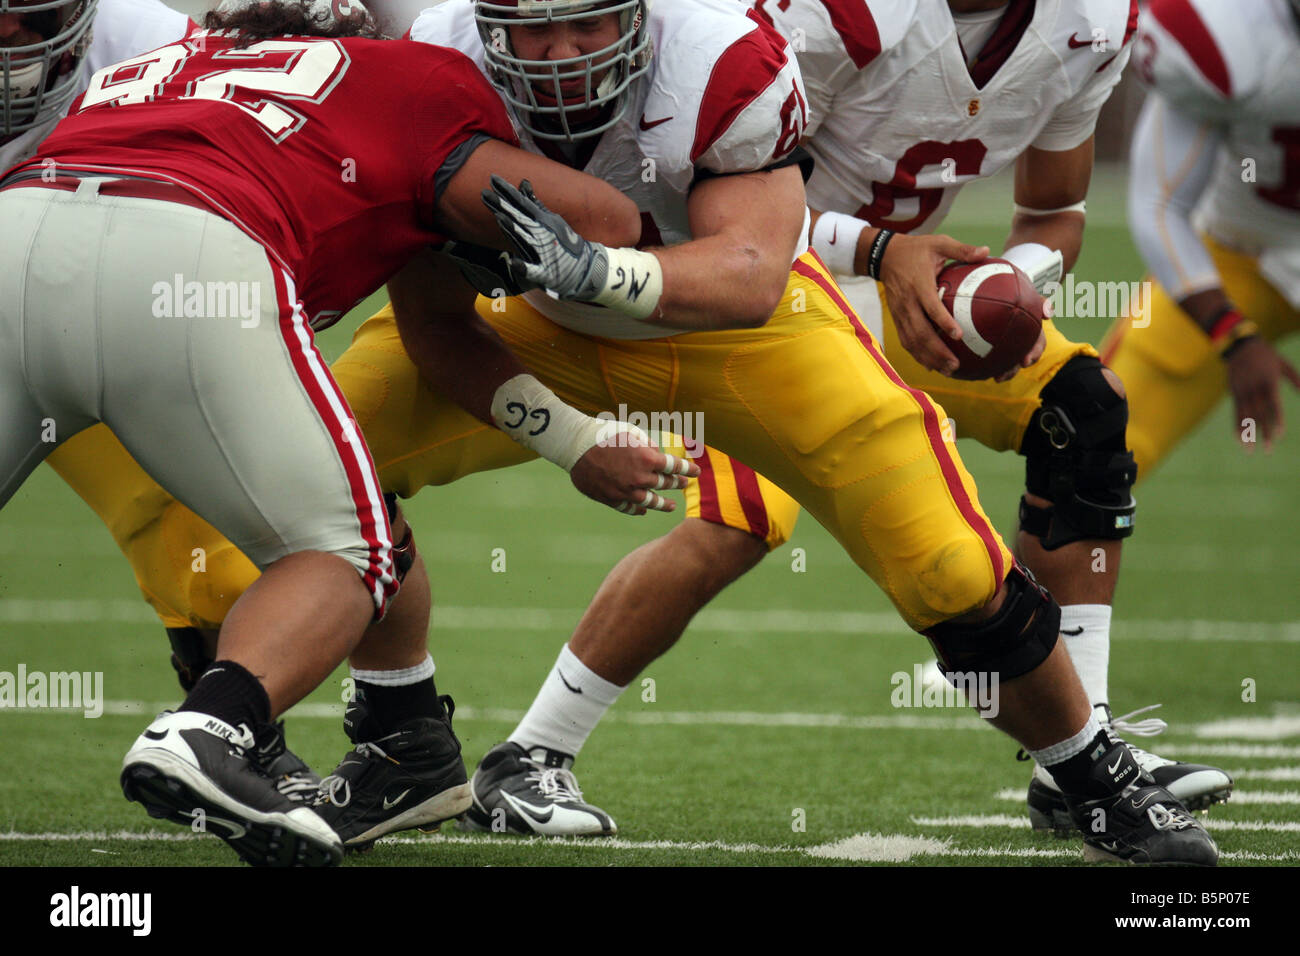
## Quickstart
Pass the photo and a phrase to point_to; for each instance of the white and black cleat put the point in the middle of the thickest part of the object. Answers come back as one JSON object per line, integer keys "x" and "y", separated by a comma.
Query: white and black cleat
{"x": 1196, "y": 786}
{"x": 194, "y": 769}
{"x": 292, "y": 776}
{"x": 531, "y": 795}
{"x": 1143, "y": 823}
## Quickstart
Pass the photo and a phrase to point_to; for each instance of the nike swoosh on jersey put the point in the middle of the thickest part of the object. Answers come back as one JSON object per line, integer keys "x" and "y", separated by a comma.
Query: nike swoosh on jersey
{"x": 389, "y": 804}
{"x": 1076, "y": 44}
{"x": 835, "y": 231}
{"x": 653, "y": 123}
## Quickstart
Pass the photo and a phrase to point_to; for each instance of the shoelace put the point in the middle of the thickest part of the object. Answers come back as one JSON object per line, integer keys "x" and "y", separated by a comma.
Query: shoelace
{"x": 1162, "y": 818}
{"x": 554, "y": 782}
{"x": 1139, "y": 728}
{"x": 330, "y": 786}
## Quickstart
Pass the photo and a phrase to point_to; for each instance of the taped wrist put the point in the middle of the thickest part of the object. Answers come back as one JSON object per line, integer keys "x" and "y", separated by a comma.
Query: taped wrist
{"x": 633, "y": 283}
{"x": 835, "y": 240}
{"x": 1044, "y": 266}
{"x": 532, "y": 415}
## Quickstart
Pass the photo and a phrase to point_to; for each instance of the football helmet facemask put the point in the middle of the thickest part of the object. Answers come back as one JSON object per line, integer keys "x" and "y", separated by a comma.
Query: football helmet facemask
{"x": 42, "y": 44}
{"x": 536, "y": 90}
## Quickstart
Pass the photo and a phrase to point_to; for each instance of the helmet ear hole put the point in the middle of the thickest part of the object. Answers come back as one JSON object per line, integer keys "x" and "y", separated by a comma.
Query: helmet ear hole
{"x": 38, "y": 74}
{"x": 544, "y": 94}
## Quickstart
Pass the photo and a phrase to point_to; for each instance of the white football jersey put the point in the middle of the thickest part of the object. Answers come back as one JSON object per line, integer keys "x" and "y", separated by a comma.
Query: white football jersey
{"x": 122, "y": 29}
{"x": 722, "y": 95}
{"x": 1235, "y": 69}
{"x": 899, "y": 122}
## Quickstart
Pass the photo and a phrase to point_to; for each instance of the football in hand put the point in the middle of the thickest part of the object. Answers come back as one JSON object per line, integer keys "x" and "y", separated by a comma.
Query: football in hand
{"x": 1000, "y": 314}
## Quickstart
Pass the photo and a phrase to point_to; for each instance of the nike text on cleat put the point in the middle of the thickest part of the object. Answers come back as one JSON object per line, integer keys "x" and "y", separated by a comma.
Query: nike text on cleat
{"x": 515, "y": 792}
{"x": 411, "y": 778}
{"x": 195, "y": 770}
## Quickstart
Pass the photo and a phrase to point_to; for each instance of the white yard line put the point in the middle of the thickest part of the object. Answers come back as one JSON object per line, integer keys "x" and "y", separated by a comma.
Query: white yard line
{"x": 862, "y": 847}
{"x": 1238, "y": 796}
{"x": 987, "y": 821}
{"x": 722, "y": 621}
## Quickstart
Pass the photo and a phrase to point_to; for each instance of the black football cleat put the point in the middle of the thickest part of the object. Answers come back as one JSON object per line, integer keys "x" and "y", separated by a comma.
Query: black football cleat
{"x": 194, "y": 769}
{"x": 531, "y": 795}
{"x": 412, "y": 778}
{"x": 1196, "y": 786}
{"x": 1143, "y": 823}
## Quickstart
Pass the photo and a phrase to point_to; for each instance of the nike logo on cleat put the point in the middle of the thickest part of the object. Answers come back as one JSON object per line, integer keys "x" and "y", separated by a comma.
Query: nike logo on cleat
{"x": 1118, "y": 761}
{"x": 528, "y": 810}
{"x": 1136, "y": 805}
{"x": 389, "y": 804}
{"x": 155, "y": 735}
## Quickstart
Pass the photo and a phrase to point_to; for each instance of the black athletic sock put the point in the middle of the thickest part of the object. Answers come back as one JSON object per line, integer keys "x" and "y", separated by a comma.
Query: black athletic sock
{"x": 1074, "y": 775}
{"x": 229, "y": 692}
{"x": 390, "y": 707}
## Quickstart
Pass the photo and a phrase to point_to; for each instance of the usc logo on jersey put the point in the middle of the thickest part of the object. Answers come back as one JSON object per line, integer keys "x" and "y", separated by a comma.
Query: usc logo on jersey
{"x": 973, "y": 107}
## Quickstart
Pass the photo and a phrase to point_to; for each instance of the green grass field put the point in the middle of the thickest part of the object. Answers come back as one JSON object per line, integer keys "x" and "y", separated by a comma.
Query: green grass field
{"x": 773, "y": 711}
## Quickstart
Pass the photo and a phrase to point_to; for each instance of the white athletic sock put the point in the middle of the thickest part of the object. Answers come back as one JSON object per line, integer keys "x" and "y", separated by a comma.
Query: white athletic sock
{"x": 1090, "y": 647}
{"x": 397, "y": 678}
{"x": 570, "y": 703}
{"x": 1070, "y": 747}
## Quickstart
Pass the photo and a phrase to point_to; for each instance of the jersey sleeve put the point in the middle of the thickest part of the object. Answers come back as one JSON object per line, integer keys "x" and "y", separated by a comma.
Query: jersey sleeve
{"x": 1171, "y": 164}
{"x": 1076, "y": 119}
{"x": 458, "y": 111}
{"x": 753, "y": 110}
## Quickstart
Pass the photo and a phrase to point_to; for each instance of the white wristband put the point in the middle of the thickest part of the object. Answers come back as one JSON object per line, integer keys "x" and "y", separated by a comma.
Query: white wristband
{"x": 1080, "y": 207}
{"x": 1044, "y": 266}
{"x": 634, "y": 283}
{"x": 532, "y": 415}
{"x": 835, "y": 239}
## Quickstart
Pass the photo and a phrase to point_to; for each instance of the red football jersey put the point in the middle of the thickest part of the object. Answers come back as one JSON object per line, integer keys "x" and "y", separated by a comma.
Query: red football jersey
{"x": 331, "y": 153}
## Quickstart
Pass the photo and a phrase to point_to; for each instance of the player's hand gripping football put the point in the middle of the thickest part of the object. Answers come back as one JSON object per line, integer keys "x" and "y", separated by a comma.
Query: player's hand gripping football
{"x": 909, "y": 270}
{"x": 1255, "y": 373}
{"x": 626, "y": 471}
{"x": 551, "y": 254}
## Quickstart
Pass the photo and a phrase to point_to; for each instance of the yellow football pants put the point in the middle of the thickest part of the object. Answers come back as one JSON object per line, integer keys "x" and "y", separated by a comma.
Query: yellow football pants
{"x": 1172, "y": 374}
{"x": 807, "y": 399}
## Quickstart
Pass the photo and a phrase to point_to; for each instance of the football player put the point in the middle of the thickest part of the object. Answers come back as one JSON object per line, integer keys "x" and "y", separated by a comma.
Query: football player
{"x": 295, "y": 488}
{"x": 909, "y": 100}
{"x": 1214, "y": 204}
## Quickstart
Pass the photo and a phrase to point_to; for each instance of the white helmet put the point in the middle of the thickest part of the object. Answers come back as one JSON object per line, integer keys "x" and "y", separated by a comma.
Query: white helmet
{"x": 38, "y": 72}
{"x": 608, "y": 73}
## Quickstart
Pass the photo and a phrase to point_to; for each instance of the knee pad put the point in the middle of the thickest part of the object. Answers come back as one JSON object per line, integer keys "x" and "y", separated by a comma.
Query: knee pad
{"x": 403, "y": 551}
{"x": 1076, "y": 457}
{"x": 1011, "y": 643}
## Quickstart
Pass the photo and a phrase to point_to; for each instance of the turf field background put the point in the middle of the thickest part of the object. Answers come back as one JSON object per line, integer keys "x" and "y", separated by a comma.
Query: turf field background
{"x": 768, "y": 736}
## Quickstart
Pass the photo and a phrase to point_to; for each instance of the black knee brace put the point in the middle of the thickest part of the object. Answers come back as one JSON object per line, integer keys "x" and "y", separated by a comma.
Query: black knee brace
{"x": 1011, "y": 643}
{"x": 1077, "y": 458}
{"x": 189, "y": 655}
{"x": 403, "y": 551}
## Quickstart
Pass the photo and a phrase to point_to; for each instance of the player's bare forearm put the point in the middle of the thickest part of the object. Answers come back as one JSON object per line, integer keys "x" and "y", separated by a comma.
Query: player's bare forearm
{"x": 455, "y": 350}
{"x": 1050, "y": 180}
{"x": 1205, "y": 307}
{"x": 593, "y": 208}
{"x": 734, "y": 273}
{"x": 1061, "y": 231}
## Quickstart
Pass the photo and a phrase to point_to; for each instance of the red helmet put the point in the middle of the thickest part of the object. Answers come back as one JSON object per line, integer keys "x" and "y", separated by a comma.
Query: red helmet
{"x": 607, "y": 74}
{"x": 42, "y": 44}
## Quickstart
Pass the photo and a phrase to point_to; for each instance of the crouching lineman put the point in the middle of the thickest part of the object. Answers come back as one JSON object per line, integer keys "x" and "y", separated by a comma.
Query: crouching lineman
{"x": 734, "y": 318}
{"x": 241, "y": 417}
{"x": 1224, "y": 82}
